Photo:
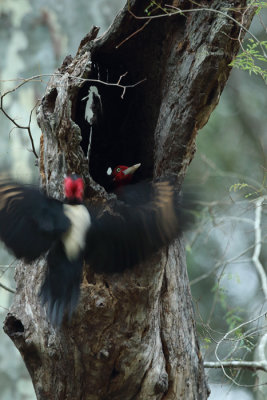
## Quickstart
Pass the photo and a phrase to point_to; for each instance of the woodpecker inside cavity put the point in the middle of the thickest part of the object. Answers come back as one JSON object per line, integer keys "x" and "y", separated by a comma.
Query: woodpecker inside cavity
{"x": 122, "y": 175}
{"x": 31, "y": 224}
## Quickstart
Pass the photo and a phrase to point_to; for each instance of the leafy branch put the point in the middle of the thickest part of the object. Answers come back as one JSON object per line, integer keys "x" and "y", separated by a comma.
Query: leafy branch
{"x": 259, "y": 4}
{"x": 247, "y": 60}
{"x": 261, "y": 191}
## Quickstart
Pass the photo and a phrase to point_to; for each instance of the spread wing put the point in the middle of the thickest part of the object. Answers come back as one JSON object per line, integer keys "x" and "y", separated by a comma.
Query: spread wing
{"x": 117, "y": 242}
{"x": 29, "y": 220}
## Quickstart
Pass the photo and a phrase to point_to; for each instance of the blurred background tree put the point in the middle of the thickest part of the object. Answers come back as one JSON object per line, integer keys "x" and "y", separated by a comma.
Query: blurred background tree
{"x": 35, "y": 38}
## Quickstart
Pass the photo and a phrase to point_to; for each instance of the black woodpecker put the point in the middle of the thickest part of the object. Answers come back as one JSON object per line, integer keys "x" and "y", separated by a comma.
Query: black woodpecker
{"x": 31, "y": 224}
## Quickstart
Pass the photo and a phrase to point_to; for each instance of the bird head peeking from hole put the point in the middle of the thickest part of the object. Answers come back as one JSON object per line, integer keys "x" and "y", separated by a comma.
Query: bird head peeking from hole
{"x": 122, "y": 175}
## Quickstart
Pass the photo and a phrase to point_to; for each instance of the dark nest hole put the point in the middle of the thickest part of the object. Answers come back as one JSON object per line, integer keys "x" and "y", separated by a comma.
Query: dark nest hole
{"x": 122, "y": 129}
{"x": 13, "y": 326}
{"x": 113, "y": 128}
{"x": 50, "y": 100}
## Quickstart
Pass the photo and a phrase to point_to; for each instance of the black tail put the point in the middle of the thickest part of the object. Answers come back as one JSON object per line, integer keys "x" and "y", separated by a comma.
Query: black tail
{"x": 61, "y": 288}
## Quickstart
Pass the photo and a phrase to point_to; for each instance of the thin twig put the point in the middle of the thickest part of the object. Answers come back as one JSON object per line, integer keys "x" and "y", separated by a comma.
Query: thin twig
{"x": 133, "y": 34}
{"x": 179, "y": 11}
{"x": 225, "y": 337}
{"x": 219, "y": 264}
{"x": 7, "y": 288}
{"x": 38, "y": 79}
{"x": 28, "y": 127}
{"x": 232, "y": 19}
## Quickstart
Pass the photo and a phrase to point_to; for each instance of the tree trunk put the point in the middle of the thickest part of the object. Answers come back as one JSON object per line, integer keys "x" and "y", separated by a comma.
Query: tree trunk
{"x": 133, "y": 335}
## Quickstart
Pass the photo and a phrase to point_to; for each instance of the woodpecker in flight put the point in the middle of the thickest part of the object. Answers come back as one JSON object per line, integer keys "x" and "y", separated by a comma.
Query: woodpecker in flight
{"x": 31, "y": 224}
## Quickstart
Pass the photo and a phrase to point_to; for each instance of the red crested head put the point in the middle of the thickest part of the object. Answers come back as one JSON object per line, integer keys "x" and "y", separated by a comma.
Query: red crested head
{"x": 74, "y": 188}
{"x": 122, "y": 175}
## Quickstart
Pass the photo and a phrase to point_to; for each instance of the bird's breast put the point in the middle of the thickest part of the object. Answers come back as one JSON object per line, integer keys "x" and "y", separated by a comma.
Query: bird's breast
{"x": 74, "y": 239}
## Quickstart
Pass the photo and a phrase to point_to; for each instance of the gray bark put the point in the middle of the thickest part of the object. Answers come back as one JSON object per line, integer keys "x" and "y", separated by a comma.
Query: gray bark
{"x": 133, "y": 335}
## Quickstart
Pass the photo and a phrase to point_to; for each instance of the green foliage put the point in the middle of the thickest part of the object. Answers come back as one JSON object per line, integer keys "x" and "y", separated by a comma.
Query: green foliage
{"x": 233, "y": 320}
{"x": 154, "y": 6}
{"x": 259, "y": 4}
{"x": 250, "y": 59}
{"x": 255, "y": 193}
{"x": 237, "y": 186}
{"x": 247, "y": 344}
{"x": 221, "y": 294}
{"x": 206, "y": 342}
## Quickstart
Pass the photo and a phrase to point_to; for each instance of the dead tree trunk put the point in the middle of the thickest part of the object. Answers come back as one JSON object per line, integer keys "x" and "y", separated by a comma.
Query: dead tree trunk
{"x": 133, "y": 335}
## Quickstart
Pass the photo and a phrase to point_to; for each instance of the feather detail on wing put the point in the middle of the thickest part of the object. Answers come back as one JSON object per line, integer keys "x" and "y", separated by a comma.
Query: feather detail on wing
{"x": 117, "y": 242}
{"x": 29, "y": 220}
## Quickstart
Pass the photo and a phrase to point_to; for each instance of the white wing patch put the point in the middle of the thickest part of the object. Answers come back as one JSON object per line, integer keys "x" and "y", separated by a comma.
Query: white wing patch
{"x": 74, "y": 239}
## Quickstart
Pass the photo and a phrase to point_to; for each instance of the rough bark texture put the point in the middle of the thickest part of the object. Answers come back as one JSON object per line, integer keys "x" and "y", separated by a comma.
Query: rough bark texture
{"x": 133, "y": 335}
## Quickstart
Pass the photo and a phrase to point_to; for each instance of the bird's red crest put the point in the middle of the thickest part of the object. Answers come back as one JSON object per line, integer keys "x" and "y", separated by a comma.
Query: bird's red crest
{"x": 74, "y": 187}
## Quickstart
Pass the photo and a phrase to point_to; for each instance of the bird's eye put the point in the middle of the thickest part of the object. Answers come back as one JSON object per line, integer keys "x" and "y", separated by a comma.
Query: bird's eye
{"x": 118, "y": 170}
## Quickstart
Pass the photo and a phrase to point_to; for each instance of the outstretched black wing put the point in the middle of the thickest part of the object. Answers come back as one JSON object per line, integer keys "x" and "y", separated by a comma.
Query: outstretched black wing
{"x": 117, "y": 242}
{"x": 29, "y": 221}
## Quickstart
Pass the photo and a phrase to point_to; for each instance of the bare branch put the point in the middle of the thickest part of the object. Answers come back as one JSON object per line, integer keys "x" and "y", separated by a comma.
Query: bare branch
{"x": 179, "y": 11}
{"x": 117, "y": 84}
{"x": 219, "y": 172}
{"x": 258, "y": 243}
{"x": 133, "y": 34}
{"x": 28, "y": 127}
{"x": 261, "y": 348}
{"x": 38, "y": 79}
{"x": 4, "y": 308}
{"x": 7, "y": 288}
{"x": 252, "y": 365}
{"x": 225, "y": 337}
{"x": 219, "y": 264}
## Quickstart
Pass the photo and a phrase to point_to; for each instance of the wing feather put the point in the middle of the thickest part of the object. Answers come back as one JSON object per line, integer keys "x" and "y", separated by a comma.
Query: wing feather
{"x": 29, "y": 220}
{"x": 117, "y": 242}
